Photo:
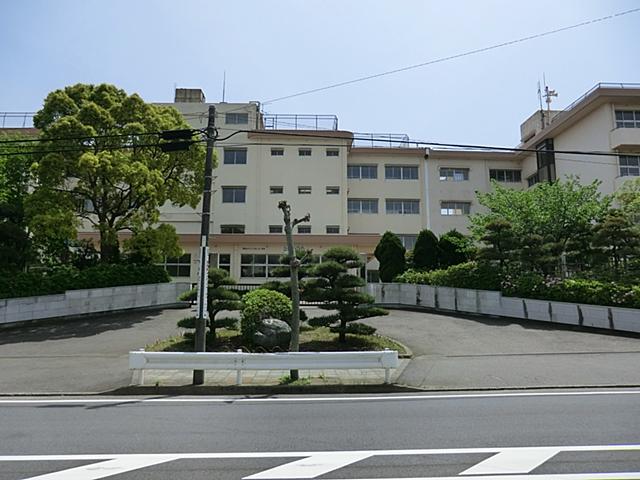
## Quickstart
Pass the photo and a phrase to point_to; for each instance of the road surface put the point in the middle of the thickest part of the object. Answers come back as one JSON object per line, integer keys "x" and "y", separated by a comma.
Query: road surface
{"x": 571, "y": 435}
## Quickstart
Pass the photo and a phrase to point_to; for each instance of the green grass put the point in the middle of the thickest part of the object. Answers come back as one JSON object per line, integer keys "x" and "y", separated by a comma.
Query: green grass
{"x": 315, "y": 340}
{"x": 286, "y": 380}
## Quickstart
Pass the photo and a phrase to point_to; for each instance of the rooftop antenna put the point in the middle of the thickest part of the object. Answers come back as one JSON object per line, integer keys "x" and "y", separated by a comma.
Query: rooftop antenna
{"x": 224, "y": 84}
{"x": 548, "y": 94}
{"x": 541, "y": 108}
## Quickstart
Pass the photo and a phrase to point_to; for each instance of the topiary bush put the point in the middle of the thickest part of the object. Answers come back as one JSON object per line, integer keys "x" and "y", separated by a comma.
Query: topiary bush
{"x": 59, "y": 280}
{"x": 464, "y": 275}
{"x": 260, "y": 304}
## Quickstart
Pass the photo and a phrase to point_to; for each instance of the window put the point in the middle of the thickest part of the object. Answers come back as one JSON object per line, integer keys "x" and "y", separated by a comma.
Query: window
{"x": 231, "y": 228}
{"x": 627, "y": 118}
{"x": 277, "y": 152}
{"x": 511, "y": 176}
{"x": 546, "y": 159}
{"x": 304, "y": 152}
{"x": 333, "y": 229}
{"x": 235, "y": 156}
{"x": 86, "y": 206}
{"x": 448, "y": 174}
{"x": 333, "y": 152}
{"x": 333, "y": 190}
{"x": 455, "y": 208}
{"x": 234, "y": 194}
{"x": 236, "y": 118}
{"x": 362, "y": 171}
{"x": 275, "y": 228}
{"x": 532, "y": 180}
{"x": 400, "y": 172}
{"x": 304, "y": 190}
{"x": 362, "y": 205}
{"x": 373, "y": 276}
{"x": 178, "y": 266}
{"x": 304, "y": 228}
{"x": 403, "y": 207}
{"x": 276, "y": 189}
{"x": 222, "y": 261}
{"x": 258, "y": 265}
{"x": 408, "y": 240}
{"x": 629, "y": 165}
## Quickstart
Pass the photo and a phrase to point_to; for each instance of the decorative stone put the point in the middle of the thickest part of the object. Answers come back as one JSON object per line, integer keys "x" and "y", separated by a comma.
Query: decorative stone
{"x": 271, "y": 333}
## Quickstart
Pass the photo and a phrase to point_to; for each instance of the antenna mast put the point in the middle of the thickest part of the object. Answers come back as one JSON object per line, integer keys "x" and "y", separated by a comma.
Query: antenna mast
{"x": 224, "y": 84}
{"x": 548, "y": 94}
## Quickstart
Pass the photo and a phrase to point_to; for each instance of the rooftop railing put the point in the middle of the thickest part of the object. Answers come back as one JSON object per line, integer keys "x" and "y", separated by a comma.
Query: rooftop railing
{"x": 628, "y": 86}
{"x": 381, "y": 140}
{"x": 16, "y": 119}
{"x": 300, "y": 122}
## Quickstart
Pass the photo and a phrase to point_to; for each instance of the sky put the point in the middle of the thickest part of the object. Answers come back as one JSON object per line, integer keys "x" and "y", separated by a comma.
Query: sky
{"x": 275, "y": 48}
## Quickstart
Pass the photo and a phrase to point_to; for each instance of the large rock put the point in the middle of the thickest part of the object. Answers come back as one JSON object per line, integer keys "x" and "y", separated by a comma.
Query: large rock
{"x": 272, "y": 333}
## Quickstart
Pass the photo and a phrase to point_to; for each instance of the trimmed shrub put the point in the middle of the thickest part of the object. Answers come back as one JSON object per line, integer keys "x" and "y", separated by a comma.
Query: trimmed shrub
{"x": 59, "y": 280}
{"x": 356, "y": 328}
{"x": 260, "y": 304}
{"x": 391, "y": 256}
{"x": 426, "y": 251}
{"x": 464, "y": 275}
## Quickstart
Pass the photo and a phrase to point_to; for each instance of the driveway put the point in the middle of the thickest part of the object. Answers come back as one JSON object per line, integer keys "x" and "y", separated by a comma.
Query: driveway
{"x": 81, "y": 355}
{"x": 462, "y": 353}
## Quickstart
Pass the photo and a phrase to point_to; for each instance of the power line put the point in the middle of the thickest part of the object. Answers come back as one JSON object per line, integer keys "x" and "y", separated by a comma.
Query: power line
{"x": 86, "y": 148}
{"x": 452, "y": 57}
{"x": 88, "y": 137}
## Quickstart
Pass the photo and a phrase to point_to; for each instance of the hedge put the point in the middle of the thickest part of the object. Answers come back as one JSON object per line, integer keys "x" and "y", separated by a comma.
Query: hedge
{"x": 530, "y": 285}
{"x": 59, "y": 280}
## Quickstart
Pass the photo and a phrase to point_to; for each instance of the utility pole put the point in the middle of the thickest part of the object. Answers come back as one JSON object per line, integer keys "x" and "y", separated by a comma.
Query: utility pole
{"x": 203, "y": 314}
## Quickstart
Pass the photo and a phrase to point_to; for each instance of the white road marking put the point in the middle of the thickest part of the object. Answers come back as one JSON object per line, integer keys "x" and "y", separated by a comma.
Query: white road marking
{"x": 512, "y": 461}
{"x": 94, "y": 471}
{"x": 545, "y": 476}
{"x": 379, "y": 398}
{"x": 310, "y": 467}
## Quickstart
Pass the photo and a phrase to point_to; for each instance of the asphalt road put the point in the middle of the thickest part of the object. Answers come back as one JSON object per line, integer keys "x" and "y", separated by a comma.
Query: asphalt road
{"x": 409, "y": 436}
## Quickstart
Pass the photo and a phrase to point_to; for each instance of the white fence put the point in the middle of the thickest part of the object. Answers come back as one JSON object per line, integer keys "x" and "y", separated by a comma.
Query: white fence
{"x": 488, "y": 302}
{"x": 239, "y": 361}
{"x": 95, "y": 300}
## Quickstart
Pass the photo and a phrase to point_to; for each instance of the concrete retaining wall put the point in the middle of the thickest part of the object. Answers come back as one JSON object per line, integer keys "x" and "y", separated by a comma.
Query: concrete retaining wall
{"x": 487, "y": 302}
{"x": 95, "y": 300}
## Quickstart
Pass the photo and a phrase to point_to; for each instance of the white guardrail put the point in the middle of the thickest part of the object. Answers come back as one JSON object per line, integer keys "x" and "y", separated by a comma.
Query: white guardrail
{"x": 140, "y": 361}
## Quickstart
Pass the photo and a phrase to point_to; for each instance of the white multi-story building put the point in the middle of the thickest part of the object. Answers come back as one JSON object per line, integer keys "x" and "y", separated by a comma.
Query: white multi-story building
{"x": 356, "y": 186}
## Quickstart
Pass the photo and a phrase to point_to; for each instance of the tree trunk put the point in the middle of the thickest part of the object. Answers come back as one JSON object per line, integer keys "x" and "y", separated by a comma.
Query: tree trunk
{"x": 109, "y": 246}
{"x": 342, "y": 337}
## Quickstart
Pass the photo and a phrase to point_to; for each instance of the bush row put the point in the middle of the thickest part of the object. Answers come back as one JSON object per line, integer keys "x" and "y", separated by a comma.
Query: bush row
{"x": 484, "y": 277}
{"x": 59, "y": 280}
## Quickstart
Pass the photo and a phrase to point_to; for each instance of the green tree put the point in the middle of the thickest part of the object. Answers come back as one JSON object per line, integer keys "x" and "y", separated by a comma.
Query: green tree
{"x": 556, "y": 211}
{"x": 219, "y": 298}
{"x": 337, "y": 288}
{"x": 628, "y": 198}
{"x": 454, "y": 248}
{"x": 391, "y": 255}
{"x": 500, "y": 243}
{"x": 425, "y": 251}
{"x": 15, "y": 242}
{"x": 116, "y": 177}
{"x": 152, "y": 245}
{"x": 617, "y": 239}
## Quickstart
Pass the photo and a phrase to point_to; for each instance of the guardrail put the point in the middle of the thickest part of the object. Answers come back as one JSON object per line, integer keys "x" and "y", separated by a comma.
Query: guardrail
{"x": 140, "y": 361}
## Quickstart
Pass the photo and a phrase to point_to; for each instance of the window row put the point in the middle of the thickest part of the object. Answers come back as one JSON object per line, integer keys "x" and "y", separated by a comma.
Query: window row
{"x": 305, "y": 152}
{"x": 302, "y": 229}
{"x": 304, "y": 189}
{"x": 452, "y": 174}
{"x": 627, "y": 118}
{"x": 393, "y": 206}
{"x": 391, "y": 172}
{"x": 629, "y": 165}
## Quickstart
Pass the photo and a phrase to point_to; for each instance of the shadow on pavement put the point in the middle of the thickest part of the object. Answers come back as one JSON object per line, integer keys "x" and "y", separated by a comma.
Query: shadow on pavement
{"x": 57, "y": 329}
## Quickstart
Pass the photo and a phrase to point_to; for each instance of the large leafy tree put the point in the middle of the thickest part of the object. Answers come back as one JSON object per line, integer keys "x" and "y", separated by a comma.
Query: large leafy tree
{"x": 338, "y": 289}
{"x": 556, "y": 212}
{"x": 617, "y": 240}
{"x": 15, "y": 244}
{"x": 628, "y": 197}
{"x": 109, "y": 171}
{"x": 391, "y": 256}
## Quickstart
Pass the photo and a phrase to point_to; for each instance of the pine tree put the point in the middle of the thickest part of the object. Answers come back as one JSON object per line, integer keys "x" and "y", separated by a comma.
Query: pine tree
{"x": 501, "y": 243}
{"x": 454, "y": 248}
{"x": 333, "y": 285}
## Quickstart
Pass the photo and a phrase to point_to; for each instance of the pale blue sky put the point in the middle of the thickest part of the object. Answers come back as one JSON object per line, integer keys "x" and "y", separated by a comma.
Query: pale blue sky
{"x": 275, "y": 48}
